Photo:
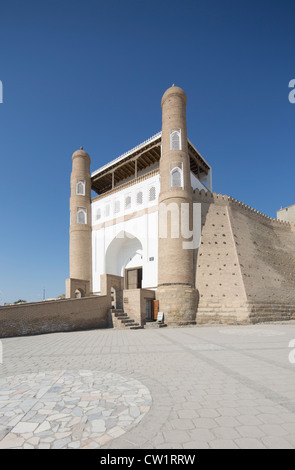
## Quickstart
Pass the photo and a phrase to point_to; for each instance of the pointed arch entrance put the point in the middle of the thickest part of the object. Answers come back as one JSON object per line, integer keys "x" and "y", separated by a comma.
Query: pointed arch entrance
{"x": 124, "y": 258}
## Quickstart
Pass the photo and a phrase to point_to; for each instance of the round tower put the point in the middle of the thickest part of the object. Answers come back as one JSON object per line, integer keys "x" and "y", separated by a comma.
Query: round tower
{"x": 176, "y": 292}
{"x": 79, "y": 283}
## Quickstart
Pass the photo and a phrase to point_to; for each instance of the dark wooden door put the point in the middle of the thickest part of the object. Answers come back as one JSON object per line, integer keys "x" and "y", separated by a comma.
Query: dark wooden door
{"x": 133, "y": 278}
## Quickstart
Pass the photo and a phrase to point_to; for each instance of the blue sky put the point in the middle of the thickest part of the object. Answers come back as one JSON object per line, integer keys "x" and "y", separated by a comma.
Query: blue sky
{"x": 92, "y": 73}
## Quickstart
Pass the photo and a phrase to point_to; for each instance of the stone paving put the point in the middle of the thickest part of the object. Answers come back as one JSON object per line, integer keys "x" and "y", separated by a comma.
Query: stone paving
{"x": 67, "y": 409}
{"x": 168, "y": 388}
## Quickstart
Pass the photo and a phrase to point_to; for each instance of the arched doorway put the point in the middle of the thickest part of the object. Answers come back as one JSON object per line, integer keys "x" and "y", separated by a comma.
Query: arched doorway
{"x": 124, "y": 258}
{"x": 79, "y": 293}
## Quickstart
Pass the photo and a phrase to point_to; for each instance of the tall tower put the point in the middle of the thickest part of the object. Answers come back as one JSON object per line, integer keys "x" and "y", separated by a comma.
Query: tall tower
{"x": 79, "y": 283}
{"x": 176, "y": 292}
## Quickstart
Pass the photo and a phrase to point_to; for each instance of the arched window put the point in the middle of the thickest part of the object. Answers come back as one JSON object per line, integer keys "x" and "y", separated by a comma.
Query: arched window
{"x": 176, "y": 178}
{"x": 80, "y": 188}
{"x": 152, "y": 193}
{"x": 81, "y": 216}
{"x": 139, "y": 197}
{"x": 175, "y": 139}
{"x": 127, "y": 202}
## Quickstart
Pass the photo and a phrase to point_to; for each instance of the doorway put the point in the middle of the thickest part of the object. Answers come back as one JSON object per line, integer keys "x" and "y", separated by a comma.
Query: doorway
{"x": 149, "y": 310}
{"x": 133, "y": 277}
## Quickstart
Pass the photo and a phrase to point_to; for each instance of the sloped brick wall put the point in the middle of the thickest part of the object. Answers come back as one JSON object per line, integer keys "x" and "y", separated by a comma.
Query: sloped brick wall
{"x": 245, "y": 265}
{"x": 266, "y": 255}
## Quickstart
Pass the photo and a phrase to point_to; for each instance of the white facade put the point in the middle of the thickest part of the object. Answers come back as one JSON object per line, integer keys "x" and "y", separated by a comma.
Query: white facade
{"x": 125, "y": 232}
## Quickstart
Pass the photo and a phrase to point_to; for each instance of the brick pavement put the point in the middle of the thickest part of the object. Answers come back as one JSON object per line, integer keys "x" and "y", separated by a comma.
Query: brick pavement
{"x": 209, "y": 387}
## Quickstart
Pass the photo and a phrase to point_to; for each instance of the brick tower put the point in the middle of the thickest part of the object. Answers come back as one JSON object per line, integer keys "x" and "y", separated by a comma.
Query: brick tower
{"x": 176, "y": 286}
{"x": 79, "y": 283}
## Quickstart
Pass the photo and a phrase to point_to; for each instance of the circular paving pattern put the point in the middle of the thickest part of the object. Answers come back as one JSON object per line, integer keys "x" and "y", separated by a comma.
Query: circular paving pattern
{"x": 69, "y": 409}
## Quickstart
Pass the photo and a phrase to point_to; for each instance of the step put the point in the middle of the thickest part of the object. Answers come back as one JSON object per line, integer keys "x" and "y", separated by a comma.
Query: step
{"x": 127, "y": 320}
{"x": 122, "y": 317}
{"x": 131, "y": 323}
{"x": 154, "y": 325}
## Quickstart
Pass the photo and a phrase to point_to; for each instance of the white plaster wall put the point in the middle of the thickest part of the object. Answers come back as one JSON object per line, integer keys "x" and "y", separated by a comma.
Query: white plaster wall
{"x": 127, "y": 243}
{"x": 120, "y": 196}
{"x": 113, "y": 249}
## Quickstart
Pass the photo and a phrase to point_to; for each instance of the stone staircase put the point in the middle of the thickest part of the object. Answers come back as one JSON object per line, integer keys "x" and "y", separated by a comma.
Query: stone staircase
{"x": 122, "y": 320}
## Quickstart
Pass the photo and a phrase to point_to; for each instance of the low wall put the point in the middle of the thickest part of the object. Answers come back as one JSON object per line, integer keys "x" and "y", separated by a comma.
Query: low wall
{"x": 53, "y": 316}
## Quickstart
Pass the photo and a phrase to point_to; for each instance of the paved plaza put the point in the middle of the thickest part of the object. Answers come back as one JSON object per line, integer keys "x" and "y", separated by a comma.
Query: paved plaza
{"x": 157, "y": 388}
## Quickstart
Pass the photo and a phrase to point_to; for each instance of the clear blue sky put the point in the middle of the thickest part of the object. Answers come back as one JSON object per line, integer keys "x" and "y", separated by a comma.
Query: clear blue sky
{"x": 92, "y": 73}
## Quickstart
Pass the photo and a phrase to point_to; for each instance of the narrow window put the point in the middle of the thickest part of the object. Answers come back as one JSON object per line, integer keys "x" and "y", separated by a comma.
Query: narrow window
{"x": 139, "y": 198}
{"x": 176, "y": 178}
{"x": 80, "y": 188}
{"x": 117, "y": 207}
{"x": 152, "y": 193}
{"x": 127, "y": 202}
{"x": 98, "y": 214}
{"x": 175, "y": 140}
{"x": 107, "y": 210}
{"x": 81, "y": 216}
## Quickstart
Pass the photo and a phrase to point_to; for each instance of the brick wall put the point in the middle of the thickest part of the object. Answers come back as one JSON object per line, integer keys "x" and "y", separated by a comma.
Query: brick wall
{"x": 245, "y": 265}
{"x": 134, "y": 303}
{"x": 266, "y": 255}
{"x": 180, "y": 304}
{"x": 53, "y": 316}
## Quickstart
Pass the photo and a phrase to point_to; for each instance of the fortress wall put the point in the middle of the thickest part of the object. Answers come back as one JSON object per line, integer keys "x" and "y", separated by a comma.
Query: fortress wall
{"x": 222, "y": 296}
{"x": 266, "y": 251}
{"x": 245, "y": 266}
{"x": 52, "y": 316}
